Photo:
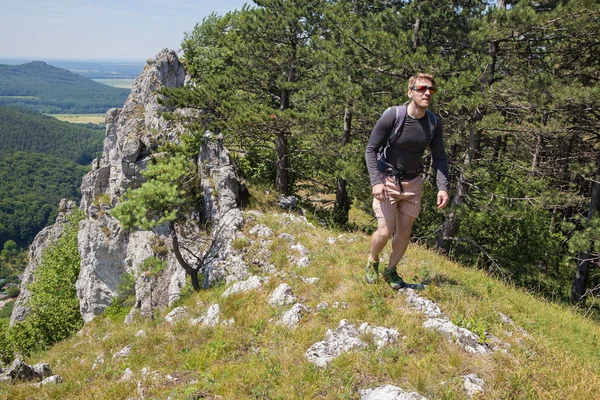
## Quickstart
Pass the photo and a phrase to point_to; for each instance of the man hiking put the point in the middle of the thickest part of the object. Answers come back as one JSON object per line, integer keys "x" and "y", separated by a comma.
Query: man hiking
{"x": 394, "y": 160}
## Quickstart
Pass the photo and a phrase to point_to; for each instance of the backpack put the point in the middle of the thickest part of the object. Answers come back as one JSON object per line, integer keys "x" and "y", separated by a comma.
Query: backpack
{"x": 382, "y": 163}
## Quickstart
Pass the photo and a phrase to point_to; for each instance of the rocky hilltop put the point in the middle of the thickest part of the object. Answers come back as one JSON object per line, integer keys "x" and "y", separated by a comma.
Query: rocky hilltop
{"x": 107, "y": 251}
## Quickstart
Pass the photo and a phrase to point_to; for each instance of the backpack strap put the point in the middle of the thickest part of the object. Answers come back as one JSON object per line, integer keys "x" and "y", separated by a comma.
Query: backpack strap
{"x": 398, "y": 123}
{"x": 432, "y": 124}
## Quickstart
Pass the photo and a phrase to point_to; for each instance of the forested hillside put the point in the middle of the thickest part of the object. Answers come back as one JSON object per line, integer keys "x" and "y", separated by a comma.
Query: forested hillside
{"x": 22, "y": 130}
{"x": 41, "y": 161}
{"x": 44, "y": 88}
{"x": 296, "y": 87}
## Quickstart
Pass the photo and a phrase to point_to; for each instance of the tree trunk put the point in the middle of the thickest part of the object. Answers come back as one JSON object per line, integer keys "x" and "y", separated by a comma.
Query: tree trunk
{"x": 450, "y": 226}
{"x": 416, "y": 39}
{"x": 342, "y": 200}
{"x": 539, "y": 145}
{"x": 583, "y": 259}
{"x": 281, "y": 166}
{"x": 189, "y": 270}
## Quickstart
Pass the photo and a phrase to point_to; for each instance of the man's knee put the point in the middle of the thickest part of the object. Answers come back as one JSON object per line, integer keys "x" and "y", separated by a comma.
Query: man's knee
{"x": 383, "y": 232}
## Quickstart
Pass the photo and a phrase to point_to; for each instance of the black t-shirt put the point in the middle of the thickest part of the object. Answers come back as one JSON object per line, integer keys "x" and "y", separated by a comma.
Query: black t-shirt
{"x": 406, "y": 151}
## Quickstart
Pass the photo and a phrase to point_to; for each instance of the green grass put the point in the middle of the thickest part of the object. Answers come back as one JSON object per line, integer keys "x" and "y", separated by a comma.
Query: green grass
{"x": 80, "y": 118}
{"x": 256, "y": 358}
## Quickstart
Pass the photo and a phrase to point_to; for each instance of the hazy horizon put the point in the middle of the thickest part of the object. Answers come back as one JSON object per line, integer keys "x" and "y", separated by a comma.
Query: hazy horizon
{"x": 107, "y": 30}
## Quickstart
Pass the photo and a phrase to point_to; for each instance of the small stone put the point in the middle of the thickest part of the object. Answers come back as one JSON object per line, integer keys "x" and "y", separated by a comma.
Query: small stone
{"x": 124, "y": 352}
{"x": 140, "y": 334}
{"x": 292, "y": 317}
{"x": 473, "y": 385}
{"x": 176, "y": 315}
{"x": 127, "y": 375}
{"x": 282, "y": 296}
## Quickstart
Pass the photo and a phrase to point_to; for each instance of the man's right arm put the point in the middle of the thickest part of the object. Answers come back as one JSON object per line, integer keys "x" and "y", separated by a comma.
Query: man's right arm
{"x": 377, "y": 140}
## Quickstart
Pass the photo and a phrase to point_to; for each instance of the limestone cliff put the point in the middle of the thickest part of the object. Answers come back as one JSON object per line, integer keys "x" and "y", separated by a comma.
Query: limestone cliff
{"x": 108, "y": 251}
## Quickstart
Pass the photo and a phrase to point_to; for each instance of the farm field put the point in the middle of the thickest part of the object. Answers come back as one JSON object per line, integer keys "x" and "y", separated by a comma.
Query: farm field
{"x": 20, "y": 97}
{"x": 126, "y": 83}
{"x": 80, "y": 118}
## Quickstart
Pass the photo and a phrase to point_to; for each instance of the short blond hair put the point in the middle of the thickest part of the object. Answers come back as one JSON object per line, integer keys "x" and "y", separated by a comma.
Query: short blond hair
{"x": 420, "y": 75}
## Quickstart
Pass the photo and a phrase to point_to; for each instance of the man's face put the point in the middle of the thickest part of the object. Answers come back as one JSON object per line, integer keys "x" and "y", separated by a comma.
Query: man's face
{"x": 421, "y": 98}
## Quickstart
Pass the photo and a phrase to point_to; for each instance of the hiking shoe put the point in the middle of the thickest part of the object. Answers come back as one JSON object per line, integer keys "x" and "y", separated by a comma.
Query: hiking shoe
{"x": 393, "y": 279}
{"x": 371, "y": 271}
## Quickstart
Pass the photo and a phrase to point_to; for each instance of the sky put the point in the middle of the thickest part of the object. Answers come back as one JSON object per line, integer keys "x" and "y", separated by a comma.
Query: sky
{"x": 100, "y": 29}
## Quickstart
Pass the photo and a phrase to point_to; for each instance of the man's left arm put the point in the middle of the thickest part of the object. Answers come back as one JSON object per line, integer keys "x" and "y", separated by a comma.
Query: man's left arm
{"x": 440, "y": 163}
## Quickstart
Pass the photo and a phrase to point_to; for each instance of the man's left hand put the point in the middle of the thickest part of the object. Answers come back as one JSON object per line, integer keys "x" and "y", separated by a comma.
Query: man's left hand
{"x": 442, "y": 199}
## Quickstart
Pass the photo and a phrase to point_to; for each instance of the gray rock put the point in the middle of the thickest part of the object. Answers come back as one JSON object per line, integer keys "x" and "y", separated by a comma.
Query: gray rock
{"x": 322, "y": 306}
{"x": 123, "y": 353}
{"x": 343, "y": 339}
{"x": 473, "y": 385}
{"x": 310, "y": 281}
{"x": 261, "y": 231}
{"x": 422, "y": 304}
{"x": 389, "y": 392}
{"x": 210, "y": 319}
{"x": 464, "y": 337}
{"x": 52, "y": 380}
{"x": 252, "y": 283}
{"x": 302, "y": 262}
{"x": 99, "y": 361}
{"x": 282, "y": 296}
{"x": 382, "y": 336}
{"x": 286, "y": 236}
{"x": 141, "y": 334}
{"x": 177, "y": 315}
{"x": 42, "y": 370}
{"x": 132, "y": 133}
{"x": 223, "y": 193}
{"x": 303, "y": 251}
{"x": 21, "y": 371}
{"x": 127, "y": 375}
{"x": 287, "y": 203}
{"x": 293, "y": 316}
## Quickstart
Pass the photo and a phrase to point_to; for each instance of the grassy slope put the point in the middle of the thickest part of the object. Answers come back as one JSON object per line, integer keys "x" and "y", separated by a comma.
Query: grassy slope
{"x": 258, "y": 359}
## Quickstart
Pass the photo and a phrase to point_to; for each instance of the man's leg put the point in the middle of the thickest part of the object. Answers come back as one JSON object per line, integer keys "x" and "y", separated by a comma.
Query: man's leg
{"x": 379, "y": 239}
{"x": 404, "y": 224}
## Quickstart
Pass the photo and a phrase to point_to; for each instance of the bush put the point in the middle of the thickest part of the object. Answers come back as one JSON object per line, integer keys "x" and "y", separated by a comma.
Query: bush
{"x": 13, "y": 292}
{"x": 53, "y": 306}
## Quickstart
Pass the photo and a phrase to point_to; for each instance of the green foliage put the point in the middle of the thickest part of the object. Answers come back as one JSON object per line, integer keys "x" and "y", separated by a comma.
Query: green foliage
{"x": 53, "y": 306}
{"x": 152, "y": 266}
{"x": 171, "y": 189}
{"x": 474, "y": 324}
{"x": 13, "y": 292}
{"x": 31, "y": 186}
{"x": 125, "y": 298}
{"x": 6, "y": 311}
{"x": 28, "y": 131}
{"x": 44, "y": 88}
{"x": 41, "y": 162}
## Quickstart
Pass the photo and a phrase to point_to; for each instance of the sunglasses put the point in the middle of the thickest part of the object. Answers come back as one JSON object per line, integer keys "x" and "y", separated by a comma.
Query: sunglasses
{"x": 424, "y": 88}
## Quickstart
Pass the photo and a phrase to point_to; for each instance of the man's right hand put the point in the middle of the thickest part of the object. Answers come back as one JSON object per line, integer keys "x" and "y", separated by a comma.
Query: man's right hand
{"x": 379, "y": 191}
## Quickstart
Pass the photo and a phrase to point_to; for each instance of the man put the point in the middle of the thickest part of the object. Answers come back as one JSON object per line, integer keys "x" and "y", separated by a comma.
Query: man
{"x": 397, "y": 189}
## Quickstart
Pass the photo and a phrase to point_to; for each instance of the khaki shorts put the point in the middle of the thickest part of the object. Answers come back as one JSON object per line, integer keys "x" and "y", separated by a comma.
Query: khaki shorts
{"x": 407, "y": 201}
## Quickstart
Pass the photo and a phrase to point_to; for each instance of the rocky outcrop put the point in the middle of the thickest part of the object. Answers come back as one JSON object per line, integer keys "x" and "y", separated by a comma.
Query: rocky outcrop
{"x": 107, "y": 251}
{"x": 41, "y": 241}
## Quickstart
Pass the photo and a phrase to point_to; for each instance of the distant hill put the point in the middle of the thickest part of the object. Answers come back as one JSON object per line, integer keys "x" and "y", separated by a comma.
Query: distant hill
{"x": 41, "y": 161}
{"x": 45, "y": 88}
